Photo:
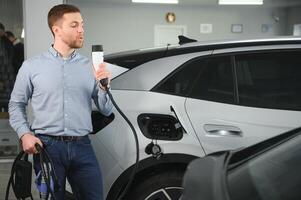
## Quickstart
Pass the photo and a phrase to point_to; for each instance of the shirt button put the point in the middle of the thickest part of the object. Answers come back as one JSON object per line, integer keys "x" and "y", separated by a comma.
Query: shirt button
{"x": 66, "y": 129}
{"x": 66, "y": 115}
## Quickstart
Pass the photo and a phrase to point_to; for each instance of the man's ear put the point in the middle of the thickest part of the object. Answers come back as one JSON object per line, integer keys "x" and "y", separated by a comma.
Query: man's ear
{"x": 55, "y": 29}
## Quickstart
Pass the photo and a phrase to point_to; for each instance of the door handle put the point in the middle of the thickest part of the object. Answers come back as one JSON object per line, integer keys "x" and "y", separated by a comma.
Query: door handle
{"x": 222, "y": 130}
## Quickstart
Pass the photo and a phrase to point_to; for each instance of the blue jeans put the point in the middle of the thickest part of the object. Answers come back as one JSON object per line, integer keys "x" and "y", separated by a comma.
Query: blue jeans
{"x": 76, "y": 161}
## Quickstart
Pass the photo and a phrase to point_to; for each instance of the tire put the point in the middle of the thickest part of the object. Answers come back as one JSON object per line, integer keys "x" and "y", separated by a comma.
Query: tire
{"x": 160, "y": 186}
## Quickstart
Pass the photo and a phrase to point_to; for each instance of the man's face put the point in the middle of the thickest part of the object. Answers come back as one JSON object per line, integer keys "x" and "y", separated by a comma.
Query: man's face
{"x": 70, "y": 29}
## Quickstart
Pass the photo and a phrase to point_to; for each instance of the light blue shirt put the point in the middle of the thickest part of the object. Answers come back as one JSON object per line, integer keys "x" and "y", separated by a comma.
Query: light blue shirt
{"x": 61, "y": 93}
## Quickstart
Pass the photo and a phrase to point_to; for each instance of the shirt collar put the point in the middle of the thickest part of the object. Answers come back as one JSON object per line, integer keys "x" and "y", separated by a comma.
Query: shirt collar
{"x": 55, "y": 53}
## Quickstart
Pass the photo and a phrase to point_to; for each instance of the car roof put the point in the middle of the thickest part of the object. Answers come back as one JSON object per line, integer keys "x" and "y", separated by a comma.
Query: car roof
{"x": 149, "y": 74}
{"x": 131, "y": 59}
{"x": 155, "y": 65}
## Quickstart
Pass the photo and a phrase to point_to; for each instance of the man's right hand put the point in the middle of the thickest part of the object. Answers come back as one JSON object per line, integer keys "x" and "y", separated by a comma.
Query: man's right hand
{"x": 28, "y": 143}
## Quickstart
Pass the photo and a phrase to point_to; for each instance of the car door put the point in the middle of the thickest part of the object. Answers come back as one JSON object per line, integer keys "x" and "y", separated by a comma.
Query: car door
{"x": 244, "y": 96}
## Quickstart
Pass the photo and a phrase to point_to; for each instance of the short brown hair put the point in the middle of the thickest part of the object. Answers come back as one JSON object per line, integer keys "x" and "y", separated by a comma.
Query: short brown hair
{"x": 57, "y": 12}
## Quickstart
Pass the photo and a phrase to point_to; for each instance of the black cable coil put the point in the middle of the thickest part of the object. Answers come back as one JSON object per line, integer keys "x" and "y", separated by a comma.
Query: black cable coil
{"x": 21, "y": 175}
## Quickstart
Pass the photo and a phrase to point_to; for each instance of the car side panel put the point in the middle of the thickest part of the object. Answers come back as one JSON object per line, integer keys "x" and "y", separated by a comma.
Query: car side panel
{"x": 115, "y": 147}
{"x": 255, "y": 124}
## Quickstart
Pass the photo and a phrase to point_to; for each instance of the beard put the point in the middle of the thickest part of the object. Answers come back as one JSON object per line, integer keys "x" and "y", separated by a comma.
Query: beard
{"x": 74, "y": 43}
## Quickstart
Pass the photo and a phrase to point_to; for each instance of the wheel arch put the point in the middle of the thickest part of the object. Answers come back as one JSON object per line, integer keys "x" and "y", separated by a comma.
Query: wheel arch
{"x": 147, "y": 166}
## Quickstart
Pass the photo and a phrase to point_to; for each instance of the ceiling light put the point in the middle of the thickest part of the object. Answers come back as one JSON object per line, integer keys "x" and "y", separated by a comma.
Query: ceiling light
{"x": 240, "y": 2}
{"x": 156, "y": 1}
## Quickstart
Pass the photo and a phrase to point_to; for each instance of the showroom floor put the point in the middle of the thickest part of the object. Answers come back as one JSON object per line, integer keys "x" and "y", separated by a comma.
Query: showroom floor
{"x": 5, "y": 168}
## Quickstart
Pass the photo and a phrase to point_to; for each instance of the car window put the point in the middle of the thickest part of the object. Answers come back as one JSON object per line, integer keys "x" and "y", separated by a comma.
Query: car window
{"x": 181, "y": 80}
{"x": 273, "y": 174}
{"x": 270, "y": 80}
{"x": 215, "y": 81}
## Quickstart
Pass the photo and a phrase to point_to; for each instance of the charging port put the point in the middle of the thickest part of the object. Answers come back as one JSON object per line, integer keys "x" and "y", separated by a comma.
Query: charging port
{"x": 160, "y": 127}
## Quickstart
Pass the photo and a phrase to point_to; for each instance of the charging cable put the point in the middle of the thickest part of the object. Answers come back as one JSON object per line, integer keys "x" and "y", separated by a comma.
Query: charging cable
{"x": 46, "y": 181}
{"x": 104, "y": 83}
{"x": 21, "y": 175}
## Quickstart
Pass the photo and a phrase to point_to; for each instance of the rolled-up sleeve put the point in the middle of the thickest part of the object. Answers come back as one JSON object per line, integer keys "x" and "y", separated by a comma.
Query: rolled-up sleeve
{"x": 18, "y": 101}
{"x": 102, "y": 100}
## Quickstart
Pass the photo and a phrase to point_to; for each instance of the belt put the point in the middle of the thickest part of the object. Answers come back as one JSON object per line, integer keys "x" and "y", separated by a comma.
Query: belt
{"x": 65, "y": 138}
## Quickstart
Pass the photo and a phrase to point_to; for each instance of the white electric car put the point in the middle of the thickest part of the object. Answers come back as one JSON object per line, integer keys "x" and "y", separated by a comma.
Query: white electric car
{"x": 190, "y": 100}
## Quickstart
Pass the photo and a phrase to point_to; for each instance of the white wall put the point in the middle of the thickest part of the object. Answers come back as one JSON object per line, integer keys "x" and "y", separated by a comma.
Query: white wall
{"x": 38, "y": 37}
{"x": 130, "y": 26}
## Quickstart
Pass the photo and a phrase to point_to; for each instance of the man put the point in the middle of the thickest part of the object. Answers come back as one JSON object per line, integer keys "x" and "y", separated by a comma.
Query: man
{"x": 60, "y": 84}
{"x": 5, "y": 43}
{"x": 18, "y": 50}
{"x": 7, "y": 75}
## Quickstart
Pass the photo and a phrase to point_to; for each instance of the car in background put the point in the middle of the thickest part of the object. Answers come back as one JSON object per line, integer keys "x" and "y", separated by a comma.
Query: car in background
{"x": 191, "y": 100}
{"x": 267, "y": 170}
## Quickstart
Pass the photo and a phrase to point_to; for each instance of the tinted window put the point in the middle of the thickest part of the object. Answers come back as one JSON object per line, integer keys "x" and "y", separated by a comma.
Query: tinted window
{"x": 270, "y": 80}
{"x": 215, "y": 81}
{"x": 180, "y": 82}
{"x": 274, "y": 174}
